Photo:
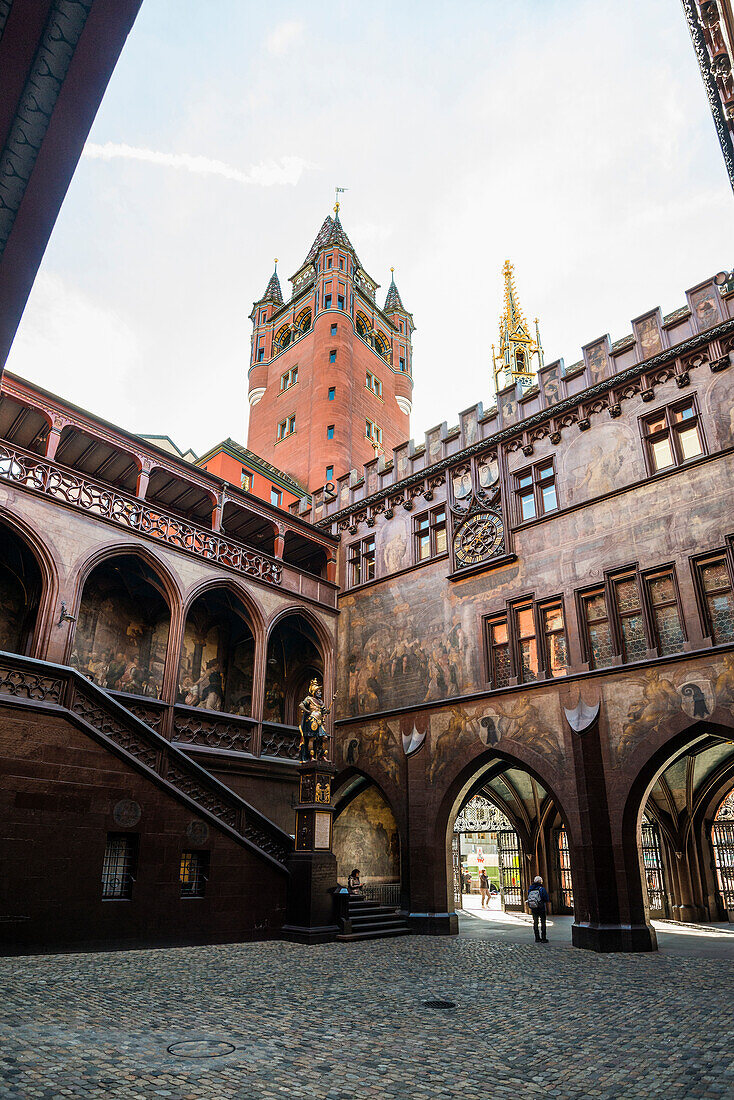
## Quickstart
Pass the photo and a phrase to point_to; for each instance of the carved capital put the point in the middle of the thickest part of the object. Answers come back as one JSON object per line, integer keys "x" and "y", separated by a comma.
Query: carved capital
{"x": 615, "y": 410}
{"x": 683, "y": 379}
{"x": 555, "y": 437}
{"x": 717, "y": 365}
{"x": 584, "y": 424}
{"x": 647, "y": 394}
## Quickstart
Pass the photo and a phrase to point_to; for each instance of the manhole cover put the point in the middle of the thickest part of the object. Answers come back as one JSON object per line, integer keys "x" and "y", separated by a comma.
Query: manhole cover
{"x": 201, "y": 1048}
{"x": 439, "y": 1004}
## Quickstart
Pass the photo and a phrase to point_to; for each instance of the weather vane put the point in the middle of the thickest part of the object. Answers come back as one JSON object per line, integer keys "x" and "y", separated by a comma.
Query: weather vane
{"x": 338, "y": 191}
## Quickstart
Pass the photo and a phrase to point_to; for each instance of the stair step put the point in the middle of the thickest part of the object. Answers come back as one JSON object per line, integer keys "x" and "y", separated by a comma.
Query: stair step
{"x": 363, "y": 926}
{"x": 371, "y": 912}
{"x": 375, "y": 935}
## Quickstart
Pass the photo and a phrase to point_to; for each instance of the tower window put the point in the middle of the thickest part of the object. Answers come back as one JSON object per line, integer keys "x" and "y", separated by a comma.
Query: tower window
{"x": 193, "y": 874}
{"x": 286, "y": 427}
{"x": 262, "y": 317}
{"x": 332, "y": 356}
{"x": 373, "y": 433}
{"x": 288, "y": 379}
{"x": 332, "y": 393}
{"x": 247, "y": 479}
{"x": 333, "y": 330}
{"x": 120, "y": 865}
{"x": 340, "y": 301}
{"x": 328, "y": 262}
{"x": 341, "y": 265}
{"x": 327, "y": 301}
{"x": 260, "y": 354}
{"x": 330, "y": 431}
{"x": 373, "y": 384}
{"x": 402, "y": 363}
{"x": 276, "y": 497}
{"x": 329, "y": 473}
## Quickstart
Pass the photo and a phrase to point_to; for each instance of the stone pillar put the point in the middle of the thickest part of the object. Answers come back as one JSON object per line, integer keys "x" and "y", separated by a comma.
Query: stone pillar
{"x": 312, "y": 866}
{"x": 217, "y": 516}
{"x": 331, "y": 568}
{"x": 608, "y": 899}
{"x": 429, "y": 862}
{"x": 52, "y": 443}
{"x": 142, "y": 486}
{"x": 279, "y": 545}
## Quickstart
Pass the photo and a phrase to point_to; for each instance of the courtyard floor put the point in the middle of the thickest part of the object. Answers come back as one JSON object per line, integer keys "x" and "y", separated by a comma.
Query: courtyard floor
{"x": 351, "y": 1020}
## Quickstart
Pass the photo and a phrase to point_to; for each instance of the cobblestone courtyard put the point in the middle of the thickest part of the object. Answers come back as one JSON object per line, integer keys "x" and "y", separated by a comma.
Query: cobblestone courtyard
{"x": 350, "y": 1021}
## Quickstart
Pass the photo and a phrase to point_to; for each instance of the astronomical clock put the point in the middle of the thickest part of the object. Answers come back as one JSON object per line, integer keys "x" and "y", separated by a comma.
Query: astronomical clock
{"x": 478, "y": 528}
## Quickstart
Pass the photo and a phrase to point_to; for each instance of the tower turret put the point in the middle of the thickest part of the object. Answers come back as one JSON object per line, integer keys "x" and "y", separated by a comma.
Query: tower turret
{"x": 517, "y": 348}
{"x": 262, "y": 335}
{"x": 402, "y": 344}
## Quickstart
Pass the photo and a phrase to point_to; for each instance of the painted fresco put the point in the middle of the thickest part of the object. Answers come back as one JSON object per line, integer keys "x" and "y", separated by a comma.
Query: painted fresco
{"x": 214, "y": 673}
{"x": 597, "y": 361}
{"x": 641, "y": 704}
{"x": 405, "y": 645}
{"x": 719, "y": 406}
{"x": 648, "y": 336}
{"x": 394, "y": 548}
{"x": 19, "y": 595}
{"x": 507, "y": 405}
{"x": 598, "y": 462}
{"x": 366, "y": 836}
{"x": 376, "y": 745}
{"x": 705, "y": 308}
{"x": 293, "y": 658}
{"x": 552, "y": 384}
{"x": 121, "y": 634}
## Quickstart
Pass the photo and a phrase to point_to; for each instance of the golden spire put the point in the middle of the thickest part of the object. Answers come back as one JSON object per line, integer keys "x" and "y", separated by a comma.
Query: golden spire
{"x": 516, "y": 345}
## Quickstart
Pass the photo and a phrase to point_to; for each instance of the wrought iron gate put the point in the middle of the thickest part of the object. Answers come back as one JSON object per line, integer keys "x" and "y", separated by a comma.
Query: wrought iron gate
{"x": 652, "y": 861}
{"x": 510, "y": 860}
{"x": 456, "y": 864}
{"x": 722, "y": 840}
{"x": 564, "y": 870}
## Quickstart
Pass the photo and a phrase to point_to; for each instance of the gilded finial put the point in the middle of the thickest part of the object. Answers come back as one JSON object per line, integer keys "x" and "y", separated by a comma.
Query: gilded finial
{"x": 517, "y": 347}
{"x": 338, "y": 191}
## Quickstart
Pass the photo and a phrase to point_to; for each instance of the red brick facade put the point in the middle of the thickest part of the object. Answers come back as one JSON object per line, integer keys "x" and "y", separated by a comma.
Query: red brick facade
{"x": 339, "y": 340}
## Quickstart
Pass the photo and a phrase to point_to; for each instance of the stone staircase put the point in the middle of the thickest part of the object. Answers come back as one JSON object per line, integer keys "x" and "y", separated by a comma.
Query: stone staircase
{"x": 368, "y": 920}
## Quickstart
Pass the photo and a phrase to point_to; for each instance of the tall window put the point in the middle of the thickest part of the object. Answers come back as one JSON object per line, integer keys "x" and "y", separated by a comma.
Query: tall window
{"x": 672, "y": 435}
{"x": 332, "y": 393}
{"x": 333, "y": 330}
{"x": 327, "y": 301}
{"x": 329, "y": 473}
{"x": 260, "y": 354}
{"x": 402, "y": 363}
{"x": 246, "y": 479}
{"x": 372, "y": 432}
{"x": 194, "y": 873}
{"x": 288, "y": 379}
{"x": 535, "y": 491}
{"x": 555, "y": 649}
{"x": 498, "y": 649}
{"x": 361, "y": 559}
{"x": 330, "y": 431}
{"x": 286, "y": 427}
{"x": 599, "y": 644}
{"x": 429, "y": 534}
{"x": 373, "y": 384}
{"x": 564, "y": 869}
{"x": 120, "y": 865}
{"x": 715, "y": 588}
{"x": 340, "y": 301}
{"x": 276, "y": 497}
{"x": 332, "y": 355}
{"x": 527, "y": 644}
{"x": 629, "y": 610}
{"x": 665, "y": 613}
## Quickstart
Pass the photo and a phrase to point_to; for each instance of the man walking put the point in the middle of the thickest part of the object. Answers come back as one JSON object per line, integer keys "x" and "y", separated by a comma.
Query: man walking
{"x": 537, "y": 901}
{"x": 484, "y": 888}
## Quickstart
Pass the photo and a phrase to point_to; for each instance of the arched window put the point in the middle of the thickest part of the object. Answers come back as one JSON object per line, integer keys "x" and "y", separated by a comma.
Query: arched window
{"x": 382, "y": 345}
{"x": 303, "y": 320}
{"x": 362, "y": 325}
{"x": 283, "y": 337}
{"x": 122, "y": 628}
{"x": 486, "y": 840}
{"x": 216, "y": 669}
{"x": 294, "y": 657}
{"x": 20, "y": 593}
{"x": 520, "y": 360}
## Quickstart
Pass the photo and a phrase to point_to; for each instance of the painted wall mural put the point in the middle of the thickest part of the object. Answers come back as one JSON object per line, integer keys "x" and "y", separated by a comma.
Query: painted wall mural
{"x": 121, "y": 634}
{"x": 366, "y": 836}
{"x": 598, "y": 462}
{"x": 293, "y": 658}
{"x": 377, "y": 745}
{"x": 20, "y": 590}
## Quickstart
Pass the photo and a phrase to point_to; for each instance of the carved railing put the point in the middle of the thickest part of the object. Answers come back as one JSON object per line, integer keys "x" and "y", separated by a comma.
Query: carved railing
{"x": 28, "y": 682}
{"x": 23, "y": 468}
{"x": 280, "y": 741}
{"x": 150, "y": 711}
{"x": 212, "y": 730}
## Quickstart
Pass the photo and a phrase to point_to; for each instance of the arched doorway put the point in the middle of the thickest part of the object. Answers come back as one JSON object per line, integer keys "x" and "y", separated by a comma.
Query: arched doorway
{"x": 651, "y": 858}
{"x": 122, "y": 629}
{"x": 21, "y": 586}
{"x": 722, "y": 843}
{"x": 366, "y": 836}
{"x": 484, "y": 839}
{"x": 294, "y": 657}
{"x": 217, "y": 663}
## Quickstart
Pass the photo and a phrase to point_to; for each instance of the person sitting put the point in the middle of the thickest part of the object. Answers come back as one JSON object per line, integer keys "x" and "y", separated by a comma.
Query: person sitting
{"x": 354, "y": 885}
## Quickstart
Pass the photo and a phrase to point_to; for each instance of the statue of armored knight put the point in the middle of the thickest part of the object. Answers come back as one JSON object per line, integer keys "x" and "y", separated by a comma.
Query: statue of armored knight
{"x": 313, "y": 735}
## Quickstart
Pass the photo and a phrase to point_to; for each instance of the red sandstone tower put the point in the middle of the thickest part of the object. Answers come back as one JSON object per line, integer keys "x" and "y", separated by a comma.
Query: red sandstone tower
{"x": 330, "y": 378}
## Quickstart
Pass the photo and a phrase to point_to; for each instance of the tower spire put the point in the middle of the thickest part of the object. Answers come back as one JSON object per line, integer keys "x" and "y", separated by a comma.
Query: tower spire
{"x": 516, "y": 346}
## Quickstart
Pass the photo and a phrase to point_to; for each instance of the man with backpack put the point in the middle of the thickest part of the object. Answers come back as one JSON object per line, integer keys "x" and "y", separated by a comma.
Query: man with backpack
{"x": 537, "y": 900}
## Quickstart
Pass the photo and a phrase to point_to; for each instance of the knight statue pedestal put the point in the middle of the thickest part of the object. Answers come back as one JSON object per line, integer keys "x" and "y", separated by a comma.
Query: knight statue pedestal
{"x": 312, "y": 866}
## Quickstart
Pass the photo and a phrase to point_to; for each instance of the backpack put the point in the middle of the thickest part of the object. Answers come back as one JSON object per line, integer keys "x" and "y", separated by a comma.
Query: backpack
{"x": 534, "y": 898}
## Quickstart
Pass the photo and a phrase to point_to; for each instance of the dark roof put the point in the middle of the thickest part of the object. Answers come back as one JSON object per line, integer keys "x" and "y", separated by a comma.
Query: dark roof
{"x": 261, "y": 464}
{"x": 393, "y": 300}
{"x": 331, "y": 234}
{"x": 273, "y": 293}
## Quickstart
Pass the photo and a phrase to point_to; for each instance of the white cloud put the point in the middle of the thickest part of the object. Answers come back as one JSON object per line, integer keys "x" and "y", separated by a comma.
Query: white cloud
{"x": 282, "y": 37}
{"x": 271, "y": 173}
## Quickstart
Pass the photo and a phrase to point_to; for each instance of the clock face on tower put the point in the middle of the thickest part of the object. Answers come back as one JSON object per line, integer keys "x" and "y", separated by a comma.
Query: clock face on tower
{"x": 477, "y": 539}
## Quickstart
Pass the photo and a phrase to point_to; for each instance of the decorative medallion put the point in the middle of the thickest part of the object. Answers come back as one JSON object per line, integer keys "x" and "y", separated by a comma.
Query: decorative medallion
{"x": 197, "y": 832}
{"x": 126, "y": 813}
{"x": 481, "y": 816}
{"x": 480, "y": 537}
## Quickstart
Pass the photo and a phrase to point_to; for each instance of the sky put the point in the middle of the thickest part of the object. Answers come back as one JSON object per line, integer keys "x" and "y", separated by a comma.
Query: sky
{"x": 571, "y": 136}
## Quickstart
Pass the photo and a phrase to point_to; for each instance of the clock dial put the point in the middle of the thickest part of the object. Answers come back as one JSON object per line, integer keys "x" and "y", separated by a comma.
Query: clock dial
{"x": 478, "y": 539}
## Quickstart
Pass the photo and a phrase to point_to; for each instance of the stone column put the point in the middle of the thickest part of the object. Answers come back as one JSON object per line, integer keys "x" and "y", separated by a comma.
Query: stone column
{"x": 429, "y": 870}
{"x": 310, "y": 912}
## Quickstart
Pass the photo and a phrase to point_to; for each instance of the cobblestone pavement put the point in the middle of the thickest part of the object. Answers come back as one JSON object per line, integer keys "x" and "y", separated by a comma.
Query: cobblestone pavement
{"x": 349, "y": 1022}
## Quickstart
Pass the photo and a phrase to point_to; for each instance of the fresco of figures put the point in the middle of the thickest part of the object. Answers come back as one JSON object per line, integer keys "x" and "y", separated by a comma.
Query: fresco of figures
{"x": 20, "y": 586}
{"x": 217, "y": 663}
{"x": 121, "y": 634}
{"x": 293, "y": 658}
{"x": 366, "y": 836}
